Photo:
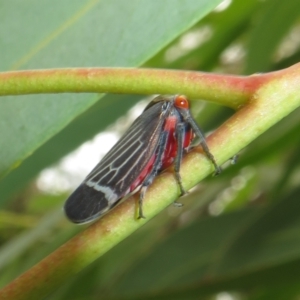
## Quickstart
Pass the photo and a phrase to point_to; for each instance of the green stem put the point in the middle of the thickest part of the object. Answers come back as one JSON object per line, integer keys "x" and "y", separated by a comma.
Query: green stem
{"x": 227, "y": 90}
{"x": 275, "y": 95}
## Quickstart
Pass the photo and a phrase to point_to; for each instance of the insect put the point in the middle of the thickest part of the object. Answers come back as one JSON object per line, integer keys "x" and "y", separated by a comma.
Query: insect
{"x": 157, "y": 139}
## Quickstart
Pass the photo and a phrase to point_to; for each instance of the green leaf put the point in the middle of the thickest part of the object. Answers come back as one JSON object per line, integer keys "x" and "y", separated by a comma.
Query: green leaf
{"x": 92, "y": 33}
{"x": 273, "y": 23}
{"x": 227, "y": 250}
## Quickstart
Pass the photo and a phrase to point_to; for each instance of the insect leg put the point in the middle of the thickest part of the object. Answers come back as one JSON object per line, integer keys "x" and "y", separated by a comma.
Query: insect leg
{"x": 203, "y": 143}
{"x": 155, "y": 169}
{"x": 180, "y": 134}
{"x": 234, "y": 159}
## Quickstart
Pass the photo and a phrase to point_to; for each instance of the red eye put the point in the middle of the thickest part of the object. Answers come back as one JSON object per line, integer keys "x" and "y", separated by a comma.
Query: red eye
{"x": 181, "y": 101}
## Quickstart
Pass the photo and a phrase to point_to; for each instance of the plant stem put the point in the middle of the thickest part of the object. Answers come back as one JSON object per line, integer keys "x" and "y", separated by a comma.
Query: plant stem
{"x": 273, "y": 96}
{"x": 226, "y": 90}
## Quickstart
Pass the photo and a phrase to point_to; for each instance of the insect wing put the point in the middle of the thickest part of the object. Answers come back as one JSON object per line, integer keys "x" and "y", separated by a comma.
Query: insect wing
{"x": 111, "y": 179}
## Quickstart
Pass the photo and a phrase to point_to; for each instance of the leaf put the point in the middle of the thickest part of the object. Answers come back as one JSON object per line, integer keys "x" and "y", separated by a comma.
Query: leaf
{"x": 275, "y": 20}
{"x": 229, "y": 250}
{"x": 92, "y": 33}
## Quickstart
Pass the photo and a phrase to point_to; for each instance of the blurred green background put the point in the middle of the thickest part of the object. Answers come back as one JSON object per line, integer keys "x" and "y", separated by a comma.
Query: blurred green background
{"x": 238, "y": 234}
